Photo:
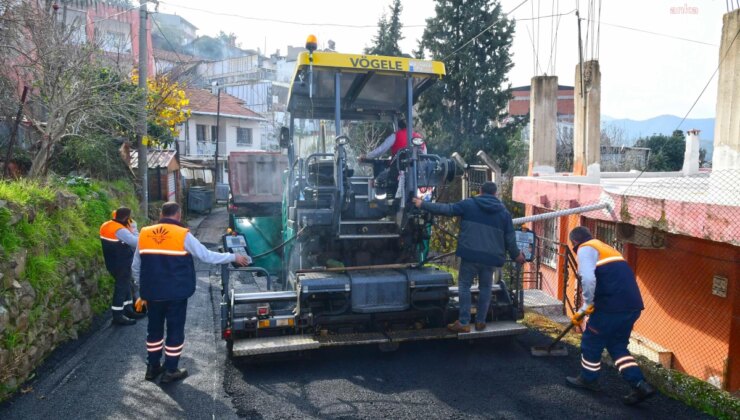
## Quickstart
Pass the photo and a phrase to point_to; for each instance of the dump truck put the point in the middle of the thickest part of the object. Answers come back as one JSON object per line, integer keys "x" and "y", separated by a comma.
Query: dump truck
{"x": 340, "y": 257}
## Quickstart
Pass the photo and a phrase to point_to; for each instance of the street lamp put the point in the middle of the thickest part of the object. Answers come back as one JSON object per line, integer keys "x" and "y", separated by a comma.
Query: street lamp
{"x": 217, "y": 172}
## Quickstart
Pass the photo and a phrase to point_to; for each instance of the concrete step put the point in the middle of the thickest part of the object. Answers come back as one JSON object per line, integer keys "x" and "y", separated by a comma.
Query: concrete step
{"x": 542, "y": 303}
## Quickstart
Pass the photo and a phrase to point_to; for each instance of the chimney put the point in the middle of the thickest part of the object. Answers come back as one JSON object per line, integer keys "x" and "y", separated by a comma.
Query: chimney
{"x": 691, "y": 155}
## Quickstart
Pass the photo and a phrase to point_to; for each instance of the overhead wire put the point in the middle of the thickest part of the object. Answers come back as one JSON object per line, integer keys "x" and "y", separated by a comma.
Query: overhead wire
{"x": 722, "y": 59}
{"x": 657, "y": 33}
{"x": 482, "y": 32}
{"x": 174, "y": 50}
{"x": 282, "y": 21}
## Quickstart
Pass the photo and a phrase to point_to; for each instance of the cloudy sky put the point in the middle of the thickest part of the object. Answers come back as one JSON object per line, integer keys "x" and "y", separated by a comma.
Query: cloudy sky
{"x": 643, "y": 74}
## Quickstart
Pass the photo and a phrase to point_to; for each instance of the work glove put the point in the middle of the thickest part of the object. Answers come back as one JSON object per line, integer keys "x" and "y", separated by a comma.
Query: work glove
{"x": 140, "y": 305}
{"x": 577, "y": 317}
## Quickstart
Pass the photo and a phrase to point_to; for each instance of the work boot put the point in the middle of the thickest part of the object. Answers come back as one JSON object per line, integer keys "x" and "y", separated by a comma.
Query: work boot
{"x": 579, "y": 382}
{"x": 121, "y": 319}
{"x": 152, "y": 372}
{"x": 130, "y": 313}
{"x": 458, "y": 327}
{"x": 480, "y": 326}
{"x": 639, "y": 393}
{"x": 174, "y": 375}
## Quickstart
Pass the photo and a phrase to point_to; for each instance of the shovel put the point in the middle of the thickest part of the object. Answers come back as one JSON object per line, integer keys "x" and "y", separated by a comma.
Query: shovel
{"x": 555, "y": 348}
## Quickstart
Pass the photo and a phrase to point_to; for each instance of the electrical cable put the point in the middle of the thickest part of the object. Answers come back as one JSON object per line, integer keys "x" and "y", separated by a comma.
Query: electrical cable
{"x": 174, "y": 50}
{"x": 729, "y": 47}
{"x": 286, "y": 22}
{"x": 657, "y": 33}
{"x": 482, "y": 32}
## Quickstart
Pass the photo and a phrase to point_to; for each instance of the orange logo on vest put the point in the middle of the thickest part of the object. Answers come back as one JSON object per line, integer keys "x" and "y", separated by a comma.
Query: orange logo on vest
{"x": 159, "y": 235}
{"x": 164, "y": 239}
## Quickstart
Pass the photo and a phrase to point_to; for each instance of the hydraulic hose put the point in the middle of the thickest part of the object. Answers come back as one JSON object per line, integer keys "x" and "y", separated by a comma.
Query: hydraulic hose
{"x": 286, "y": 242}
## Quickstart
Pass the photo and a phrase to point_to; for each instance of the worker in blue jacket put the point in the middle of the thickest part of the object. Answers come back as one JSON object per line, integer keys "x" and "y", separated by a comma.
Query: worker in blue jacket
{"x": 163, "y": 266}
{"x": 486, "y": 236}
{"x": 612, "y": 298}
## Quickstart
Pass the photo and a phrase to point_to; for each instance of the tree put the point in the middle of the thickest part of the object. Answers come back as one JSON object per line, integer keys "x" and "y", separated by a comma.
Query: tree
{"x": 166, "y": 102}
{"x": 389, "y": 33}
{"x": 72, "y": 87}
{"x": 461, "y": 112}
{"x": 666, "y": 152}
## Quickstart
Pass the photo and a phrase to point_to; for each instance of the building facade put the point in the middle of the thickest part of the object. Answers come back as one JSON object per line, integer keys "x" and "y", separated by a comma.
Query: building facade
{"x": 240, "y": 129}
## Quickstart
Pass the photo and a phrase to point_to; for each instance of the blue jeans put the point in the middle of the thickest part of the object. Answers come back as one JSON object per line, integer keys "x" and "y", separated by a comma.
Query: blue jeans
{"x": 468, "y": 270}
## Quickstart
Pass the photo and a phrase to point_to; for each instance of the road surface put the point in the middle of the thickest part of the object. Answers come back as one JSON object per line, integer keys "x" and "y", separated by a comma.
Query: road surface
{"x": 100, "y": 376}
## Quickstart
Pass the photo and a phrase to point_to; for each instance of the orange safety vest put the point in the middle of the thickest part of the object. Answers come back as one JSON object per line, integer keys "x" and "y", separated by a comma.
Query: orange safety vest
{"x": 616, "y": 286}
{"x": 116, "y": 253}
{"x": 167, "y": 269}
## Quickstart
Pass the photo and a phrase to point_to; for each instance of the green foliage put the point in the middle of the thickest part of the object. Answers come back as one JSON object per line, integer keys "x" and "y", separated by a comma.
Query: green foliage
{"x": 43, "y": 274}
{"x": 460, "y": 112}
{"x": 94, "y": 155}
{"x": 12, "y": 339}
{"x": 389, "y": 33}
{"x": 692, "y": 391}
{"x": 25, "y": 192}
{"x": 101, "y": 302}
{"x": 55, "y": 236}
{"x": 9, "y": 240}
{"x": 666, "y": 152}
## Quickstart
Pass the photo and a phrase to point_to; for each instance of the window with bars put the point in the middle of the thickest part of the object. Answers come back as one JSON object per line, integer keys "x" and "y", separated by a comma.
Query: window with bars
{"x": 200, "y": 132}
{"x": 606, "y": 232}
{"x": 243, "y": 136}
{"x": 549, "y": 233}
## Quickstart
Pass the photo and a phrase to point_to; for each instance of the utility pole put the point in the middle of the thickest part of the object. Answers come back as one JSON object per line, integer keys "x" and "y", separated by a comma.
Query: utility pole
{"x": 142, "y": 126}
{"x": 217, "y": 172}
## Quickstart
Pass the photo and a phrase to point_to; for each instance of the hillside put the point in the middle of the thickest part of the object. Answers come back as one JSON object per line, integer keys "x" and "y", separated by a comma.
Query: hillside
{"x": 663, "y": 124}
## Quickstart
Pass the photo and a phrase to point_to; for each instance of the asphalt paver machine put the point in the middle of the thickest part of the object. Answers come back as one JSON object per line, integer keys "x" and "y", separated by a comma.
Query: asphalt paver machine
{"x": 339, "y": 254}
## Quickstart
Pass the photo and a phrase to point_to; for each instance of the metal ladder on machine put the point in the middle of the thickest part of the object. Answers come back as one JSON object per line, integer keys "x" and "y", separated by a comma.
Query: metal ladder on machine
{"x": 348, "y": 229}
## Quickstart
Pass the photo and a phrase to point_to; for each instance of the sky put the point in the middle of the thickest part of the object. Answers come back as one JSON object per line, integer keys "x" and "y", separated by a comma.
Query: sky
{"x": 643, "y": 75}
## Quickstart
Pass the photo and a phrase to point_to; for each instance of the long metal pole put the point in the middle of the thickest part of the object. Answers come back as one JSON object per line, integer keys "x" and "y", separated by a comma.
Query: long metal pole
{"x": 410, "y": 178}
{"x": 559, "y": 213}
{"x": 142, "y": 126}
{"x": 217, "y": 172}
{"x": 337, "y": 105}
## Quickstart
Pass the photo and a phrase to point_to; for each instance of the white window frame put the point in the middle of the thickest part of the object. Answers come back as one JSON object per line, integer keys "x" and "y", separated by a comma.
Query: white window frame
{"x": 249, "y": 141}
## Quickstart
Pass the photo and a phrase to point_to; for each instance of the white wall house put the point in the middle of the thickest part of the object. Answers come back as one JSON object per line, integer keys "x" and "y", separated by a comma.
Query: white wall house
{"x": 240, "y": 129}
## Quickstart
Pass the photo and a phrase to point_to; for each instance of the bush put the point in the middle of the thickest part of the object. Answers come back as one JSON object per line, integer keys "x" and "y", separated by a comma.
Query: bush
{"x": 95, "y": 156}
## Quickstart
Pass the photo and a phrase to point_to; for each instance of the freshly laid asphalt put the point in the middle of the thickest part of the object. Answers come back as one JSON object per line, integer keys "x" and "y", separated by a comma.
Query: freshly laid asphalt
{"x": 100, "y": 376}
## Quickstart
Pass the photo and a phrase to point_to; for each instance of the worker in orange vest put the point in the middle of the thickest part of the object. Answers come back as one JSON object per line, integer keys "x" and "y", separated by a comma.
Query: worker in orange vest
{"x": 119, "y": 237}
{"x": 613, "y": 301}
{"x": 163, "y": 266}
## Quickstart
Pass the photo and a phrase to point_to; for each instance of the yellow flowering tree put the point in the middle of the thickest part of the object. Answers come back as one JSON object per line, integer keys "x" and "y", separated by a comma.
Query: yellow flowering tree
{"x": 166, "y": 103}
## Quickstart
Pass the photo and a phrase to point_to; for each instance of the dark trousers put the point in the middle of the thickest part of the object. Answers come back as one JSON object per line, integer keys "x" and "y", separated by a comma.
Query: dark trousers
{"x": 173, "y": 313}
{"x": 122, "y": 292}
{"x": 609, "y": 331}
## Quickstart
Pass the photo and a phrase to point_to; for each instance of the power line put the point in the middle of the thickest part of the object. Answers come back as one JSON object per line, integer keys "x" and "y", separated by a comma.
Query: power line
{"x": 286, "y": 22}
{"x": 657, "y": 33}
{"x": 485, "y": 30}
{"x": 174, "y": 50}
{"x": 729, "y": 47}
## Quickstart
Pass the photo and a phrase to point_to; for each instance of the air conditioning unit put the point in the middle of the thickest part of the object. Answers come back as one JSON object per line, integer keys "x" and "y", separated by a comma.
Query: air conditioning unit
{"x": 640, "y": 236}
